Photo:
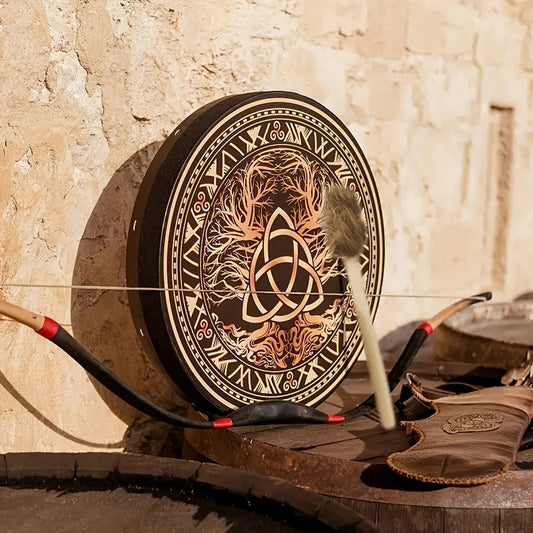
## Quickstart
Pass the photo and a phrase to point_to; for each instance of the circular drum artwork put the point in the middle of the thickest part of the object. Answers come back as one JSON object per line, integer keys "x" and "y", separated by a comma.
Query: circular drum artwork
{"x": 248, "y": 305}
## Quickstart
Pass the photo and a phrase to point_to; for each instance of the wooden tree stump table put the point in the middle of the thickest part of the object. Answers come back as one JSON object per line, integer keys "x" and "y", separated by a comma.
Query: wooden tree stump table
{"x": 347, "y": 462}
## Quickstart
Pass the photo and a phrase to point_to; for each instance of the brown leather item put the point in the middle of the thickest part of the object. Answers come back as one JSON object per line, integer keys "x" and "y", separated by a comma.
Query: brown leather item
{"x": 472, "y": 438}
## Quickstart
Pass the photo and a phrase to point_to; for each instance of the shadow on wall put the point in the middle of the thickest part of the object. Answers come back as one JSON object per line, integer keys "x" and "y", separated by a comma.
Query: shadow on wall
{"x": 6, "y": 384}
{"x": 101, "y": 319}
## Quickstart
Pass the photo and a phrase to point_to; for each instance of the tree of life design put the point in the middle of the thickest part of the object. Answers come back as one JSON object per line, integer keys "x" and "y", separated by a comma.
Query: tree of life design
{"x": 265, "y": 265}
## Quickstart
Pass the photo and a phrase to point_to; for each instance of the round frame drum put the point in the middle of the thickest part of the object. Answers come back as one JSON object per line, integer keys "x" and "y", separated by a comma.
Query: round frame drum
{"x": 248, "y": 305}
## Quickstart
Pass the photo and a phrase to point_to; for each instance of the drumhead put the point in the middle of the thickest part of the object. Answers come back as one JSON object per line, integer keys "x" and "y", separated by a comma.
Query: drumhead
{"x": 227, "y": 222}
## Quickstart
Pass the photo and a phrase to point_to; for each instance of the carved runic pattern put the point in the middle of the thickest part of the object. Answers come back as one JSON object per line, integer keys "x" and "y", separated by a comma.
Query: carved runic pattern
{"x": 243, "y": 226}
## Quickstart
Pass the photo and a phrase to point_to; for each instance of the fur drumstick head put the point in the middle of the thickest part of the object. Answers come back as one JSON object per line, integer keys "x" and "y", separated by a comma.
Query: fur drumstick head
{"x": 345, "y": 229}
{"x": 346, "y": 234}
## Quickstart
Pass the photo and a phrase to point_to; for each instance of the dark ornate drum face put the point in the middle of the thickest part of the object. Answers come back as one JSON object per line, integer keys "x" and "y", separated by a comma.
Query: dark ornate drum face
{"x": 257, "y": 308}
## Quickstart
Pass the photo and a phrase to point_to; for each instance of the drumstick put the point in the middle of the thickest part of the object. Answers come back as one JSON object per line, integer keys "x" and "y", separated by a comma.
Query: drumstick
{"x": 346, "y": 233}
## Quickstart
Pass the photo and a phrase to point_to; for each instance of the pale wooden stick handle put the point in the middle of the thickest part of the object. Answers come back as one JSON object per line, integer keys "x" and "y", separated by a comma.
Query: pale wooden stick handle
{"x": 23, "y": 316}
{"x": 376, "y": 368}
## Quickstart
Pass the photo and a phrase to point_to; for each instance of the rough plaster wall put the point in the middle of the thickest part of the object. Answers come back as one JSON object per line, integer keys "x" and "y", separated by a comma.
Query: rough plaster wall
{"x": 89, "y": 89}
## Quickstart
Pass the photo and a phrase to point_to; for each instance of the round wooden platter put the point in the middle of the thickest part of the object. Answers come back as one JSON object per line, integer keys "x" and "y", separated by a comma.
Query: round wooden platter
{"x": 348, "y": 463}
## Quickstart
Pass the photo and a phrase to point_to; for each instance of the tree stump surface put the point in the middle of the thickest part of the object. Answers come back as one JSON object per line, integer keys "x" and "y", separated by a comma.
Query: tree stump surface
{"x": 347, "y": 462}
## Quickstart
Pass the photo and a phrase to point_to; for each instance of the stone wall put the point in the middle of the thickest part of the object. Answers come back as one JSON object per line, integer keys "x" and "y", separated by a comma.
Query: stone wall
{"x": 438, "y": 93}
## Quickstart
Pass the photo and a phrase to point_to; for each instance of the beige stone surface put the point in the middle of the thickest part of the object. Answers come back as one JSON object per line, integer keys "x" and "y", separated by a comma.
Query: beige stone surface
{"x": 441, "y": 27}
{"x": 90, "y": 89}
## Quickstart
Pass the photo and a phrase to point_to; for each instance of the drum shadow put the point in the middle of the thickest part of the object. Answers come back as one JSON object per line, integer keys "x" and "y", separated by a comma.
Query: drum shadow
{"x": 380, "y": 476}
{"x": 101, "y": 318}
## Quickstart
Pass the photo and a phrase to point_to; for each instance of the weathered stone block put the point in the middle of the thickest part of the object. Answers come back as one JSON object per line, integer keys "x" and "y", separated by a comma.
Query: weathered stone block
{"x": 440, "y": 27}
{"x": 499, "y": 41}
{"x": 345, "y": 18}
{"x": 527, "y": 57}
{"x": 389, "y": 98}
{"x": 386, "y": 30}
{"x": 503, "y": 86}
{"x": 450, "y": 97}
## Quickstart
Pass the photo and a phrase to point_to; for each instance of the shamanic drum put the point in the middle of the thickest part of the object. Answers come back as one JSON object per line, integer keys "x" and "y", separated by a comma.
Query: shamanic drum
{"x": 248, "y": 305}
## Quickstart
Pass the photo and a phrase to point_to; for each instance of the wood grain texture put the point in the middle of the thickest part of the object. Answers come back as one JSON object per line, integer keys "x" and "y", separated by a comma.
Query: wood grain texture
{"x": 347, "y": 463}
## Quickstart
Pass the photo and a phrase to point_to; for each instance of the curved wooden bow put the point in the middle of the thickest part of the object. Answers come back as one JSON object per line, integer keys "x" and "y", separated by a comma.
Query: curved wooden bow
{"x": 258, "y": 413}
